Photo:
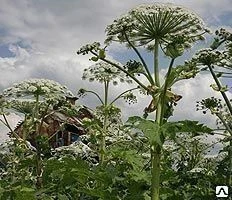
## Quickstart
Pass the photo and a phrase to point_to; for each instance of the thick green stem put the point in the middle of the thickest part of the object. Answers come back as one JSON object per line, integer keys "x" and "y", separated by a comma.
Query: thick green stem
{"x": 39, "y": 183}
{"x": 220, "y": 87}
{"x": 155, "y": 171}
{"x": 156, "y": 63}
{"x": 42, "y": 119}
{"x": 155, "y": 148}
{"x": 106, "y": 92}
{"x": 155, "y": 161}
{"x": 104, "y": 131}
{"x": 158, "y": 116}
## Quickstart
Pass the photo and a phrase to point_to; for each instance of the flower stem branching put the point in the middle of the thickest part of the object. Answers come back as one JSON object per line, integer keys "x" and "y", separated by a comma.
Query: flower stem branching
{"x": 149, "y": 77}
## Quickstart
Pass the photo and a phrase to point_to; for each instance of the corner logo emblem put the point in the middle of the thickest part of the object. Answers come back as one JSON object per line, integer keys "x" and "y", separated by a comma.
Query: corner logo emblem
{"x": 222, "y": 191}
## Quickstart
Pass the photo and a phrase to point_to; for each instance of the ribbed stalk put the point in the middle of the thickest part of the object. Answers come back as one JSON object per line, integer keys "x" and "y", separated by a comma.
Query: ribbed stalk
{"x": 156, "y": 63}
{"x": 39, "y": 165}
{"x": 155, "y": 148}
{"x": 155, "y": 171}
{"x": 103, "y": 134}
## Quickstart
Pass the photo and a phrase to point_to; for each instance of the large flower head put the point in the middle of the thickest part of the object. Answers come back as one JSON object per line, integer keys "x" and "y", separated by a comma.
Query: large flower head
{"x": 45, "y": 88}
{"x": 168, "y": 23}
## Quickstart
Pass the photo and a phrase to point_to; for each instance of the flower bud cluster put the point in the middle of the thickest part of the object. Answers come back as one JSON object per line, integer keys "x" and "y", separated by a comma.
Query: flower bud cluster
{"x": 223, "y": 34}
{"x": 81, "y": 92}
{"x": 89, "y": 47}
{"x": 213, "y": 104}
{"x": 209, "y": 57}
{"x": 130, "y": 98}
{"x": 134, "y": 67}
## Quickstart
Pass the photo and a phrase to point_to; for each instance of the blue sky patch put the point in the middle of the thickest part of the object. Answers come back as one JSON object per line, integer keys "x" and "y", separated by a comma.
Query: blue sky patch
{"x": 5, "y": 52}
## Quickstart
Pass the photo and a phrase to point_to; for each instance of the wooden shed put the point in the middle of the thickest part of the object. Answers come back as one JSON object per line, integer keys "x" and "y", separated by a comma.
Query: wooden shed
{"x": 61, "y": 129}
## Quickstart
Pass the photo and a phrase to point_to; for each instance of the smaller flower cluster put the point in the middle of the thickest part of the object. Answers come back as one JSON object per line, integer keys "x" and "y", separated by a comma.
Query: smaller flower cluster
{"x": 216, "y": 107}
{"x": 130, "y": 98}
{"x": 89, "y": 47}
{"x": 134, "y": 67}
{"x": 213, "y": 104}
{"x": 113, "y": 116}
{"x": 223, "y": 34}
{"x": 77, "y": 149}
{"x": 209, "y": 57}
{"x": 81, "y": 92}
{"x": 112, "y": 112}
{"x": 102, "y": 71}
{"x": 118, "y": 27}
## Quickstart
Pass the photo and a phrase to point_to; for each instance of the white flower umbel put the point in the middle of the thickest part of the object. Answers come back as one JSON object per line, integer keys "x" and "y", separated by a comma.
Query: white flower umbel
{"x": 166, "y": 22}
{"x": 45, "y": 88}
{"x": 209, "y": 56}
{"x": 103, "y": 71}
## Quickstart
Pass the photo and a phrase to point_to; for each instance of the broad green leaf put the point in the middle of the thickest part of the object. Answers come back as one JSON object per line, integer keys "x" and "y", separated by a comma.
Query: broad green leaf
{"x": 150, "y": 129}
{"x": 170, "y": 129}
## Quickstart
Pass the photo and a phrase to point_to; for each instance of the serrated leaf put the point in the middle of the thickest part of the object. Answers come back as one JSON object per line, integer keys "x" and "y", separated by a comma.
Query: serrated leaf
{"x": 172, "y": 128}
{"x": 150, "y": 129}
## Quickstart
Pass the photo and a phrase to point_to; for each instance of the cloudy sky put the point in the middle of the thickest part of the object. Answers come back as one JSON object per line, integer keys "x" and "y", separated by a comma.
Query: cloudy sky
{"x": 39, "y": 39}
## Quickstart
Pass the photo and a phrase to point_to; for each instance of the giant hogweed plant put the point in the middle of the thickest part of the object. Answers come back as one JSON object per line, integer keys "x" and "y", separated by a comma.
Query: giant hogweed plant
{"x": 106, "y": 125}
{"x": 159, "y": 27}
{"x": 217, "y": 60}
{"x": 108, "y": 149}
{"x": 35, "y": 99}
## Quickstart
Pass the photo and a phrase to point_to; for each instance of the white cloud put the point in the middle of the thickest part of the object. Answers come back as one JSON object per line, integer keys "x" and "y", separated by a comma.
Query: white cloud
{"x": 195, "y": 90}
{"x": 209, "y": 10}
